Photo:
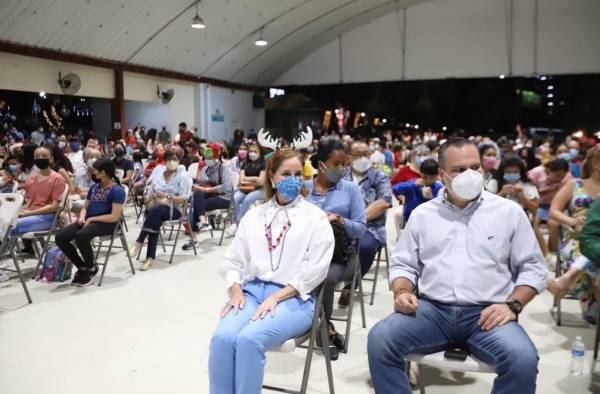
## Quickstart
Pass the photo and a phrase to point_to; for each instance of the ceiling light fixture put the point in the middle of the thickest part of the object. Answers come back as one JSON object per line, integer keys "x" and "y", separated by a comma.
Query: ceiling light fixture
{"x": 197, "y": 22}
{"x": 261, "y": 42}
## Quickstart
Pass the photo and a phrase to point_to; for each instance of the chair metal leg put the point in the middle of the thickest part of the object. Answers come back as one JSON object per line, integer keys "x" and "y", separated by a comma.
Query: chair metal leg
{"x": 558, "y": 300}
{"x": 126, "y": 248}
{"x": 387, "y": 264}
{"x": 125, "y": 226}
{"x": 351, "y": 306}
{"x": 16, "y": 263}
{"x": 225, "y": 221}
{"x": 41, "y": 256}
{"x": 175, "y": 242}
{"x": 361, "y": 298}
{"x": 421, "y": 383}
{"x": 375, "y": 277}
{"x": 162, "y": 241}
{"x": 98, "y": 252}
{"x": 597, "y": 336}
{"x": 315, "y": 330}
{"x": 326, "y": 355}
{"x": 112, "y": 240}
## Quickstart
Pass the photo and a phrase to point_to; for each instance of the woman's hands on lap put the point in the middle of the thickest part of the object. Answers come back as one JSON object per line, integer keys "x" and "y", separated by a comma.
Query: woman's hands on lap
{"x": 237, "y": 301}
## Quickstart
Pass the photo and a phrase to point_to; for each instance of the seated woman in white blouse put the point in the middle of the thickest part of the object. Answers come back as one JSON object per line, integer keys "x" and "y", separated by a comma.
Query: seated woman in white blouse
{"x": 280, "y": 254}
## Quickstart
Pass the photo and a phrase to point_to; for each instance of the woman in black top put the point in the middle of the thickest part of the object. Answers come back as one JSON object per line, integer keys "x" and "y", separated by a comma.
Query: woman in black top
{"x": 99, "y": 216}
{"x": 252, "y": 174}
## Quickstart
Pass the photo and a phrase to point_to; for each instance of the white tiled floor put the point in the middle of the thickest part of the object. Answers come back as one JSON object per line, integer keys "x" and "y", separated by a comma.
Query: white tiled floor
{"x": 149, "y": 333}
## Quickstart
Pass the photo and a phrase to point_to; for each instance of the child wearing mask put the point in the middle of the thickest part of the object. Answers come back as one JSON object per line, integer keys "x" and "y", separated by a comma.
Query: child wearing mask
{"x": 419, "y": 190}
{"x": 514, "y": 184}
{"x": 549, "y": 179}
{"x": 7, "y": 181}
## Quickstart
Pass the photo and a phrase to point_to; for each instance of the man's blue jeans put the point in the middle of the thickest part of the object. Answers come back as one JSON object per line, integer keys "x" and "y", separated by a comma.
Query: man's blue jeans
{"x": 432, "y": 329}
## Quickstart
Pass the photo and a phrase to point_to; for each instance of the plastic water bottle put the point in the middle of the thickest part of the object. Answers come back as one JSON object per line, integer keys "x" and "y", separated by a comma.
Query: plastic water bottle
{"x": 577, "y": 356}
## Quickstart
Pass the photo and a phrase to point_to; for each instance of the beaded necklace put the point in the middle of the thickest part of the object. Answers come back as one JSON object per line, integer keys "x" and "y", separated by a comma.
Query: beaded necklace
{"x": 280, "y": 239}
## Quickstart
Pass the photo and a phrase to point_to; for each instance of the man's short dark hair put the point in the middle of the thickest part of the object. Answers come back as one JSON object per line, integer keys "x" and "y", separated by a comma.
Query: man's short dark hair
{"x": 183, "y": 124}
{"x": 429, "y": 167}
{"x": 558, "y": 165}
{"x": 458, "y": 142}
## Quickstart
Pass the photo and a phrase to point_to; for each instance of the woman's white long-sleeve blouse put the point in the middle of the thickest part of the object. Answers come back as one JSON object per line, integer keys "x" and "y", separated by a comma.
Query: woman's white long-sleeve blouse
{"x": 307, "y": 248}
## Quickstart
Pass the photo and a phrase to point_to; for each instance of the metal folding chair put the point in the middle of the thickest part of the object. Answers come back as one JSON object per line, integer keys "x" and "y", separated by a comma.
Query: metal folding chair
{"x": 317, "y": 328}
{"x": 378, "y": 260}
{"x": 11, "y": 204}
{"x": 39, "y": 236}
{"x": 356, "y": 283}
{"x": 175, "y": 226}
{"x": 221, "y": 217}
{"x": 120, "y": 234}
{"x": 437, "y": 360}
{"x": 558, "y": 272}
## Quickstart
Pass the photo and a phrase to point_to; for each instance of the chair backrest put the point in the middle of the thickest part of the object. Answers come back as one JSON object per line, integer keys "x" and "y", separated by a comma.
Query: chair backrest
{"x": 61, "y": 208}
{"x": 119, "y": 173}
{"x": 10, "y": 206}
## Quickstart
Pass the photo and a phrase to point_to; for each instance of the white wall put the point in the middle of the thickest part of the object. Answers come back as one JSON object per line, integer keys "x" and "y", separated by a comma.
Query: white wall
{"x": 459, "y": 38}
{"x": 236, "y": 107}
{"x": 149, "y": 114}
{"x": 30, "y": 74}
{"x": 142, "y": 88}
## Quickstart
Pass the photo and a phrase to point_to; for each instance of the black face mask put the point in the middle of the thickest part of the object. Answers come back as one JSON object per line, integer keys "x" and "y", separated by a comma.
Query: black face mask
{"x": 95, "y": 178}
{"x": 42, "y": 164}
{"x": 119, "y": 152}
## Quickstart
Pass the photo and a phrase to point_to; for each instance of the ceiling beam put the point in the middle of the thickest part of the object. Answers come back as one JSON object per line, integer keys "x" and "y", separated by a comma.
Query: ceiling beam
{"x": 52, "y": 54}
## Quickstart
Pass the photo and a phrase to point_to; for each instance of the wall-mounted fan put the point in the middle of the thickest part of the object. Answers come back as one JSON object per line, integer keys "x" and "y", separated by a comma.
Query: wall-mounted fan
{"x": 69, "y": 84}
{"x": 165, "y": 96}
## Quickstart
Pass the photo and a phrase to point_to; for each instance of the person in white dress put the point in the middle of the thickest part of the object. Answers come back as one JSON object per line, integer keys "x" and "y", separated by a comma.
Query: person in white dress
{"x": 279, "y": 256}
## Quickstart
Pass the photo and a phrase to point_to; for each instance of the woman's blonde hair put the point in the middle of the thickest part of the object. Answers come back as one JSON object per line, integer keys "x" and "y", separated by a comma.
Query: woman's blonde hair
{"x": 273, "y": 165}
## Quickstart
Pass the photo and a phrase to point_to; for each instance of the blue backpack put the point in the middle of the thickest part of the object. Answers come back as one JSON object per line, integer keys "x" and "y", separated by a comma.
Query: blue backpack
{"x": 57, "y": 268}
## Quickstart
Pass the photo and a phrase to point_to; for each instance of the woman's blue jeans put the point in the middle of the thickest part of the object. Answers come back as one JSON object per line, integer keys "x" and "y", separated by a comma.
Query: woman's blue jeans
{"x": 237, "y": 350}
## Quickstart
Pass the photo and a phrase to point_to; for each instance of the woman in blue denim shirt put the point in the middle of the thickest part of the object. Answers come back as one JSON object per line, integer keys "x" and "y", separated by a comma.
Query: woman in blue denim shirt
{"x": 343, "y": 202}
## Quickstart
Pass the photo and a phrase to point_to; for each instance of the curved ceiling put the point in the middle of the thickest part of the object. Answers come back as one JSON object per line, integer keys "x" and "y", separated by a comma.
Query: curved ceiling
{"x": 157, "y": 33}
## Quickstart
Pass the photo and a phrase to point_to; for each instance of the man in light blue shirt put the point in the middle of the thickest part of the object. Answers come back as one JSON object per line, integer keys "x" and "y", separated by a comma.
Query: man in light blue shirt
{"x": 476, "y": 262}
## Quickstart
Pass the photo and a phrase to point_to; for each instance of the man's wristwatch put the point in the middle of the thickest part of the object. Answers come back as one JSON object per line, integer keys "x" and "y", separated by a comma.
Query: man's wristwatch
{"x": 515, "y": 306}
{"x": 169, "y": 197}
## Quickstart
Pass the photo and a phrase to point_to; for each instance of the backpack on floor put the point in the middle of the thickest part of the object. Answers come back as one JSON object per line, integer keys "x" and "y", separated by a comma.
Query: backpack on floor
{"x": 57, "y": 268}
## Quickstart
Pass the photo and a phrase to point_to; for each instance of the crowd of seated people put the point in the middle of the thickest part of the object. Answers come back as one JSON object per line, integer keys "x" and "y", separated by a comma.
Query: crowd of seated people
{"x": 330, "y": 200}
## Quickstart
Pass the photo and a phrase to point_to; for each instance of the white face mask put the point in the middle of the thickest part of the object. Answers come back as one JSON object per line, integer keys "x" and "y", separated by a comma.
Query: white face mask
{"x": 90, "y": 163}
{"x": 361, "y": 165}
{"x": 253, "y": 156}
{"x": 172, "y": 165}
{"x": 467, "y": 185}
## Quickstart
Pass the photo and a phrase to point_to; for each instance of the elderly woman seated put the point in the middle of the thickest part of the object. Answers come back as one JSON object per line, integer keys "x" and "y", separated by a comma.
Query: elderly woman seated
{"x": 166, "y": 191}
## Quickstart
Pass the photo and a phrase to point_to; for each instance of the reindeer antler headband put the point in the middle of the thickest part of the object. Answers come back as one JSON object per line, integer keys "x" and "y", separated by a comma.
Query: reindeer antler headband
{"x": 302, "y": 141}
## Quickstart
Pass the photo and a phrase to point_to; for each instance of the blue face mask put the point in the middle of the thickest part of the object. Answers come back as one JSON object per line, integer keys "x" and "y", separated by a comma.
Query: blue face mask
{"x": 512, "y": 178}
{"x": 74, "y": 147}
{"x": 14, "y": 168}
{"x": 419, "y": 160}
{"x": 574, "y": 153}
{"x": 565, "y": 156}
{"x": 289, "y": 187}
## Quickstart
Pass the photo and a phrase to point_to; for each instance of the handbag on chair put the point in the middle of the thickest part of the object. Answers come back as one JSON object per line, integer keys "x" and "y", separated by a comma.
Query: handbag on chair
{"x": 341, "y": 250}
{"x": 247, "y": 188}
